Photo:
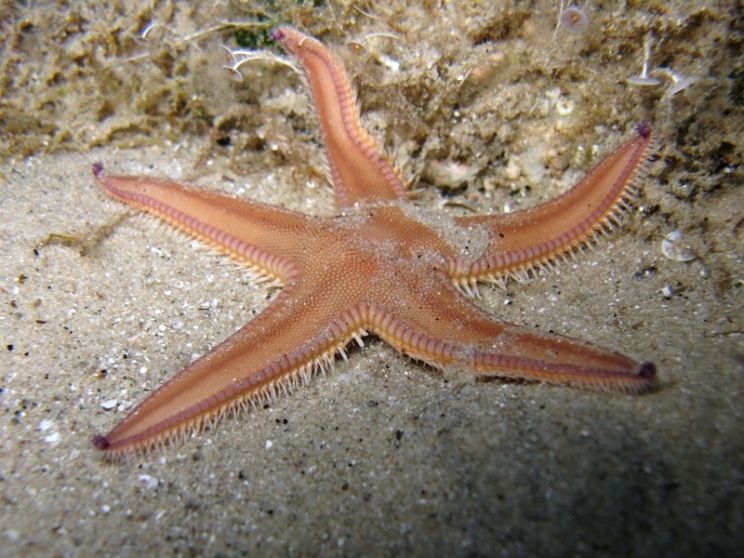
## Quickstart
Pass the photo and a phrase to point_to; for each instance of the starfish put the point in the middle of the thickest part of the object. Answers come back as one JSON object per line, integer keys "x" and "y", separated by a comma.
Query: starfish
{"x": 380, "y": 265}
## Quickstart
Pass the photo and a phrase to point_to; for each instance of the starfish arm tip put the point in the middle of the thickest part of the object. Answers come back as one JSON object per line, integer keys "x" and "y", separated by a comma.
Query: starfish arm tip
{"x": 644, "y": 130}
{"x": 278, "y": 33}
{"x": 101, "y": 442}
{"x": 646, "y": 371}
{"x": 97, "y": 169}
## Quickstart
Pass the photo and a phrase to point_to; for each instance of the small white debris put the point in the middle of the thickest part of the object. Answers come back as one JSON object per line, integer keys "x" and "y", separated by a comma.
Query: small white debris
{"x": 45, "y": 425}
{"x": 53, "y": 438}
{"x": 679, "y": 82}
{"x": 390, "y": 63}
{"x": 512, "y": 170}
{"x": 643, "y": 79}
{"x": 110, "y": 404}
{"x": 105, "y": 508}
{"x": 151, "y": 483}
{"x": 667, "y": 291}
{"x": 564, "y": 106}
{"x": 268, "y": 444}
{"x": 674, "y": 248}
{"x": 451, "y": 174}
{"x": 531, "y": 161}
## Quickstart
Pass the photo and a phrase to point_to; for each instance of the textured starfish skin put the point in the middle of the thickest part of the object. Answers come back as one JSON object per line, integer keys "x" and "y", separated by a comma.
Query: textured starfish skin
{"x": 379, "y": 266}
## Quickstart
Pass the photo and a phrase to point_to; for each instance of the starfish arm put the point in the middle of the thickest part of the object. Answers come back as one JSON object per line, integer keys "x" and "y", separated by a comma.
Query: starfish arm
{"x": 521, "y": 241}
{"x": 264, "y": 236}
{"x": 358, "y": 171}
{"x": 519, "y": 353}
{"x": 448, "y": 330}
{"x": 280, "y": 349}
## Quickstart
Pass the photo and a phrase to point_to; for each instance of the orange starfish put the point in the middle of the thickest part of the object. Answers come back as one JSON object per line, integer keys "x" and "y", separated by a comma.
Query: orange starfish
{"x": 381, "y": 265}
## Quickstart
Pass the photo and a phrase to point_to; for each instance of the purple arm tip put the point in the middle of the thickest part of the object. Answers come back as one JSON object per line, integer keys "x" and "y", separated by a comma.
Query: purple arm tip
{"x": 97, "y": 169}
{"x": 100, "y": 442}
{"x": 647, "y": 370}
{"x": 644, "y": 129}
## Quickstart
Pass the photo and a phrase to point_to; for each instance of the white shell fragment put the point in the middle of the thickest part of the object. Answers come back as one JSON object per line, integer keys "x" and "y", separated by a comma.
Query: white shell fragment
{"x": 151, "y": 483}
{"x": 674, "y": 247}
{"x": 110, "y": 404}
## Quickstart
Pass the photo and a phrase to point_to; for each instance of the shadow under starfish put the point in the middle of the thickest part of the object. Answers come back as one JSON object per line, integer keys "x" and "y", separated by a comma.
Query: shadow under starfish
{"x": 381, "y": 266}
